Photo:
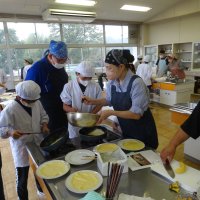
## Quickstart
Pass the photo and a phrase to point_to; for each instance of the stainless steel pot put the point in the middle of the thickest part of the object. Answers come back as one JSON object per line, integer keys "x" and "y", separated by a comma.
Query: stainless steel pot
{"x": 82, "y": 119}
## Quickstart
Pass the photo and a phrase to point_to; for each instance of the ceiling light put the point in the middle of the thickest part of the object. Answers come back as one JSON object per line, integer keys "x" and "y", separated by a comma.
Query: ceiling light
{"x": 135, "y": 8}
{"x": 77, "y": 2}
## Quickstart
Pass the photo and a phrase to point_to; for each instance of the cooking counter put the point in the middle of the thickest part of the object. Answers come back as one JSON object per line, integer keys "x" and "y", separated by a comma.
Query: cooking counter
{"x": 172, "y": 93}
{"x": 180, "y": 112}
{"x": 142, "y": 182}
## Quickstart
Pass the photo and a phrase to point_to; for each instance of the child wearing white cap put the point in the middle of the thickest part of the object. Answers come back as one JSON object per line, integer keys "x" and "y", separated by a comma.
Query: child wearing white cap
{"x": 74, "y": 91}
{"x": 144, "y": 70}
{"x": 20, "y": 118}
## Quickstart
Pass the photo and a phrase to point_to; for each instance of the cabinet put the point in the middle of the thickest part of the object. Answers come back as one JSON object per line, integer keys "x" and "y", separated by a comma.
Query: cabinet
{"x": 170, "y": 93}
{"x": 196, "y": 55}
{"x": 170, "y": 98}
{"x": 168, "y": 48}
{"x": 188, "y": 53}
{"x": 183, "y": 51}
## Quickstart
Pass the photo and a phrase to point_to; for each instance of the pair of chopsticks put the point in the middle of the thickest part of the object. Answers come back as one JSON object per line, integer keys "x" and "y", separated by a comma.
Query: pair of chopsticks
{"x": 88, "y": 157}
{"x": 114, "y": 175}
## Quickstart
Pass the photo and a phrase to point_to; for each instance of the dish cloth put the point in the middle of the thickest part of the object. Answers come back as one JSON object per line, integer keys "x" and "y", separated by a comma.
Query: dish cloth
{"x": 123, "y": 196}
{"x": 92, "y": 196}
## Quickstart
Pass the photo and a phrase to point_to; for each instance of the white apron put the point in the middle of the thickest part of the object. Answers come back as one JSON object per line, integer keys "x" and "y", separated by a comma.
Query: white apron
{"x": 14, "y": 117}
{"x": 72, "y": 94}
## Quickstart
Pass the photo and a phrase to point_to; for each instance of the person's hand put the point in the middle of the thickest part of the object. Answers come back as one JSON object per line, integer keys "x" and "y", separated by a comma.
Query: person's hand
{"x": 87, "y": 100}
{"x": 74, "y": 109}
{"x": 45, "y": 128}
{"x": 15, "y": 134}
{"x": 104, "y": 115}
{"x": 168, "y": 153}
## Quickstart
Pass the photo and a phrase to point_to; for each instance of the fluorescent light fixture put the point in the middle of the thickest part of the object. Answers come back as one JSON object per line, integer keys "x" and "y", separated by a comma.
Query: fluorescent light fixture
{"x": 135, "y": 8}
{"x": 72, "y": 13}
{"x": 77, "y": 2}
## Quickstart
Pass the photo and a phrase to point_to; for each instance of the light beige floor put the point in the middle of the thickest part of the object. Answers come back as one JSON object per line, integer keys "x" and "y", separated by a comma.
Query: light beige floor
{"x": 166, "y": 129}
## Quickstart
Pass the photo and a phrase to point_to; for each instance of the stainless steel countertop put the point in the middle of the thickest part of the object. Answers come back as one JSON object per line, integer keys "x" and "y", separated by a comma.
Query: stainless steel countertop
{"x": 185, "y": 108}
{"x": 140, "y": 183}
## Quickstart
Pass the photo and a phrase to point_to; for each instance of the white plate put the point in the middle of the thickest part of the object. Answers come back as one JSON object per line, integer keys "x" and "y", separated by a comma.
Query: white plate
{"x": 106, "y": 147}
{"x": 52, "y": 169}
{"x": 79, "y": 157}
{"x": 136, "y": 144}
{"x": 83, "y": 181}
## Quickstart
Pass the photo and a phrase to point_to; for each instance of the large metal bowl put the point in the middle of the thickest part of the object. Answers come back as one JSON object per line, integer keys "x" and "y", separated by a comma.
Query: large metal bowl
{"x": 82, "y": 119}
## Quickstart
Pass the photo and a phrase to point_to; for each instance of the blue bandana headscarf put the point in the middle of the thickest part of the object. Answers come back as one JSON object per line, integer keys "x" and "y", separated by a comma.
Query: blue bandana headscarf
{"x": 116, "y": 57}
{"x": 58, "y": 49}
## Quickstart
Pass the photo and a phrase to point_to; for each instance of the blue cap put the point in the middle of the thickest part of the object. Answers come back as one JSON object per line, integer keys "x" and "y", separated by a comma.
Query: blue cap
{"x": 58, "y": 49}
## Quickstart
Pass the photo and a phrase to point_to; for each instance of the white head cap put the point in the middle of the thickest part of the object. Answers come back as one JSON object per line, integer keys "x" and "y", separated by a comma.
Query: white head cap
{"x": 139, "y": 56}
{"x": 146, "y": 58}
{"x": 85, "y": 69}
{"x": 28, "y": 90}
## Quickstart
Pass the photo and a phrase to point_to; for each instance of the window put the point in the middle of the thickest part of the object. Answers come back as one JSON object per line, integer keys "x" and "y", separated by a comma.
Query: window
{"x": 21, "y": 33}
{"x": 83, "y": 34}
{"x": 85, "y": 42}
{"x": 2, "y": 36}
{"x": 93, "y": 34}
{"x": 47, "y": 32}
{"x": 73, "y": 33}
{"x": 3, "y": 60}
{"x": 94, "y": 55}
{"x": 120, "y": 36}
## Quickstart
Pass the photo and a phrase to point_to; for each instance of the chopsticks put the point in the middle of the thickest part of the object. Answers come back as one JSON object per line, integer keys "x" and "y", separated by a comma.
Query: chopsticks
{"x": 114, "y": 176}
{"x": 88, "y": 157}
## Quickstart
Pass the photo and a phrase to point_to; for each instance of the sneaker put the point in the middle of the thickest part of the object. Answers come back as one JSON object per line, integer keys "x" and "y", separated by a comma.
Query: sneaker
{"x": 41, "y": 195}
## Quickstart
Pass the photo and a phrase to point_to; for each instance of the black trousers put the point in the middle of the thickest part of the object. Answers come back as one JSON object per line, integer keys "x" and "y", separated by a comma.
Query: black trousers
{"x": 21, "y": 182}
{"x": 2, "y": 197}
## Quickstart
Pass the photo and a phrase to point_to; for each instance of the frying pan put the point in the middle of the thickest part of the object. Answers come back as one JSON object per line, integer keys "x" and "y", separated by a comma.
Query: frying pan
{"x": 53, "y": 140}
{"x": 84, "y": 134}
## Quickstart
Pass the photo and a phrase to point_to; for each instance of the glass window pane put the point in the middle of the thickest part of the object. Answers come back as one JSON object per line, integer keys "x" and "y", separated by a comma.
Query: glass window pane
{"x": 93, "y": 34}
{"x": 21, "y": 54}
{"x": 113, "y": 38}
{"x": 75, "y": 57}
{"x": 94, "y": 55}
{"x": 3, "y": 60}
{"x": 2, "y": 36}
{"x": 125, "y": 34}
{"x": 47, "y": 32}
{"x": 21, "y": 33}
{"x": 73, "y": 33}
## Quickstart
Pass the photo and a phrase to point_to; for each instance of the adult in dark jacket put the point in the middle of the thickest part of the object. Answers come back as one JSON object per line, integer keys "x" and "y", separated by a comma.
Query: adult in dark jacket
{"x": 49, "y": 73}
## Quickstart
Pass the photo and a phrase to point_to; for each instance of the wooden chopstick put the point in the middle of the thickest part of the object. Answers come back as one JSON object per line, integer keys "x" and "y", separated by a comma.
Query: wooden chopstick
{"x": 113, "y": 179}
{"x": 88, "y": 157}
{"x": 108, "y": 178}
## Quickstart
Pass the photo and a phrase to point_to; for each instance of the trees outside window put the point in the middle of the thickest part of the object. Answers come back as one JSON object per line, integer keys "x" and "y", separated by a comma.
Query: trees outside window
{"x": 85, "y": 42}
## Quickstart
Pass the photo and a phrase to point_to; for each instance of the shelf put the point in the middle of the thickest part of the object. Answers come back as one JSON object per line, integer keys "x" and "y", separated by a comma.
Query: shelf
{"x": 196, "y": 94}
{"x": 184, "y": 52}
{"x": 185, "y": 61}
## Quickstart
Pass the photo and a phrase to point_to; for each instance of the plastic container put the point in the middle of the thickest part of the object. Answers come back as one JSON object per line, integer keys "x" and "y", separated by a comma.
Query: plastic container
{"x": 117, "y": 156}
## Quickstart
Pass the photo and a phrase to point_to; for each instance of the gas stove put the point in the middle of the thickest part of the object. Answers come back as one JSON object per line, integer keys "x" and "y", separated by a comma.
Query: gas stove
{"x": 76, "y": 143}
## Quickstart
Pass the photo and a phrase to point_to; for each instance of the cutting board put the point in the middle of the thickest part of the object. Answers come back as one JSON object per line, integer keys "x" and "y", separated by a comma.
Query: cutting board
{"x": 190, "y": 180}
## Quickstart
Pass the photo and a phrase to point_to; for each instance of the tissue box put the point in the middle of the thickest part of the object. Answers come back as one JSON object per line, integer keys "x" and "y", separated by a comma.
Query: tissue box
{"x": 117, "y": 156}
